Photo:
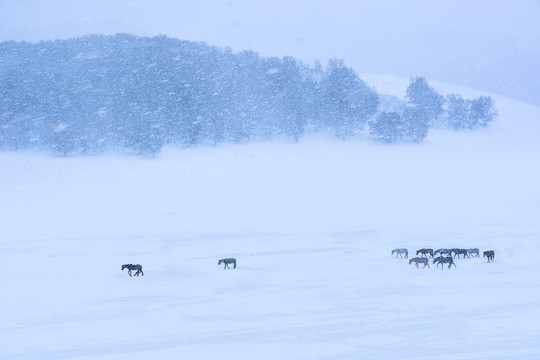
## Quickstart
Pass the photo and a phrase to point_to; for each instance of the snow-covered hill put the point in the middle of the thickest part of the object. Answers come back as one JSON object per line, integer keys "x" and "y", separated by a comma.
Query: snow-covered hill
{"x": 312, "y": 226}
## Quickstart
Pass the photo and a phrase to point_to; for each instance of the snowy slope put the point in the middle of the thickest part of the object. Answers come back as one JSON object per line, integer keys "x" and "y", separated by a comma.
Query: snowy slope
{"x": 312, "y": 226}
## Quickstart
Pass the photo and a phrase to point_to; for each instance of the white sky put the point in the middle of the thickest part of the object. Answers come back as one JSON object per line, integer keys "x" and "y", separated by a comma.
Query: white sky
{"x": 469, "y": 41}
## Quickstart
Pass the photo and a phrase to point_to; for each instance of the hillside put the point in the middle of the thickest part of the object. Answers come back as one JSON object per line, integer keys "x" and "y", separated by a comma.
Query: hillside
{"x": 312, "y": 225}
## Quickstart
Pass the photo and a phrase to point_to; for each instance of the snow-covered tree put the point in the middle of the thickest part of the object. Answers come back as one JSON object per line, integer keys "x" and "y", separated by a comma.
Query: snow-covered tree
{"x": 468, "y": 114}
{"x": 426, "y": 99}
{"x": 387, "y": 127}
{"x": 348, "y": 102}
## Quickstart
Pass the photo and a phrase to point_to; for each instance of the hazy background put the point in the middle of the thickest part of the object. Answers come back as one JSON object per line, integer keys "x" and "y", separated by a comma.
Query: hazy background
{"x": 489, "y": 45}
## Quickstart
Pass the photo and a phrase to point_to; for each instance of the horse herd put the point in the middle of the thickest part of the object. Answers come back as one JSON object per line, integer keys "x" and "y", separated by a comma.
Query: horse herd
{"x": 446, "y": 256}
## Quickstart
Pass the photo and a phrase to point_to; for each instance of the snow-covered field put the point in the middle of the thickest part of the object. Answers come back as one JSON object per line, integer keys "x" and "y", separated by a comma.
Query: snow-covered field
{"x": 312, "y": 226}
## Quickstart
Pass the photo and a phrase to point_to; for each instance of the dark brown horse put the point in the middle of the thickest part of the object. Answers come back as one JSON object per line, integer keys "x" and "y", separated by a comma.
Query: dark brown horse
{"x": 490, "y": 254}
{"x": 133, "y": 267}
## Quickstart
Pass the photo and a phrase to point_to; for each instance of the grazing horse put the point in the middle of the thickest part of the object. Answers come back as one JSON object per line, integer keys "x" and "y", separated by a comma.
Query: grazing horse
{"x": 475, "y": 252}
{"x": 443, "y": 252}
{"x": 458, "y": 252}
{"x": 444, "y": 260}
{"x": 490, "y": 255}
{"x": 419, "y": 260}
{"x": 425, "y": 252}
{"x": 133, "y": 267}
{"x": 227, "y": 261}
{"x": 401, "y": 252}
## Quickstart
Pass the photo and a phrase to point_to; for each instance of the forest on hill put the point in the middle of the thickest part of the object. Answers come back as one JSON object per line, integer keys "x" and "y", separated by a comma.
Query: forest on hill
{"x": 134, "y": 94}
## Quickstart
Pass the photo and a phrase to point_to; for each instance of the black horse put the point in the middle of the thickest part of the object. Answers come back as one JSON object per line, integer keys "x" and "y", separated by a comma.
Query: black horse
{"x": 490, "y": 255}
{"x": 133, "y": 267}
{"x": 227, "y": 261}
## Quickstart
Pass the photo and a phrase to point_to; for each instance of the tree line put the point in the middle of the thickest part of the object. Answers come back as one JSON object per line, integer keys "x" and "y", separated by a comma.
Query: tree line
{"x": 98, "y": 93}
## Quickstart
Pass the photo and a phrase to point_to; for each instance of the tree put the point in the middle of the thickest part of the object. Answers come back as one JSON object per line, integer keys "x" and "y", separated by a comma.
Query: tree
{"x": 482, "y": 111}
{"x": 415, "y": 124}
{"x": 347, "y": 101}
{"x": 457, "y": 111}
{"x": 387, "y": 127}
{"x": 428, "y": 101}
{"x": 144, "y": 136}
{"x": 283, "y": 86}
{"x": 469, "y": 114}
{"x": 409, "y": 125}
{"x": 63, "y": 139}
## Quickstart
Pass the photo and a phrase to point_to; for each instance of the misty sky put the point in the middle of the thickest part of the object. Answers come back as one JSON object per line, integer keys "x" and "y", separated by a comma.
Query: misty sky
{"x": 491, "y": 45}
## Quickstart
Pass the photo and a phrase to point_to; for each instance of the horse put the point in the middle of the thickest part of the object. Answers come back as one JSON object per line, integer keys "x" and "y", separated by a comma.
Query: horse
{"x": 133, "y": 267}
{"x": 490, "y": 255}
{"x": 227, "y": 261}
{"x": 400, "y": 252}
{"x": 419, "y": 260}
{"x": 438, "y": 258}
{"x": 458, "y": 252}
{"x": 425, "y": 252}
{"x": 475, "y": 252}
{"x": 443, "y": 252}
{"x": 444, "y": 260}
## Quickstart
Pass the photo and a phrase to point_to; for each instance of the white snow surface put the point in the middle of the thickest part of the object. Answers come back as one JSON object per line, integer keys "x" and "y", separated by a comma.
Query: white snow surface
{"x": 312, "y": 225}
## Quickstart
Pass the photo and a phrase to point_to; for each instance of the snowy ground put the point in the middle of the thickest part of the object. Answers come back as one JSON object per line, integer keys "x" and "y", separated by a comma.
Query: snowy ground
{"x": 312, "y": 226}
